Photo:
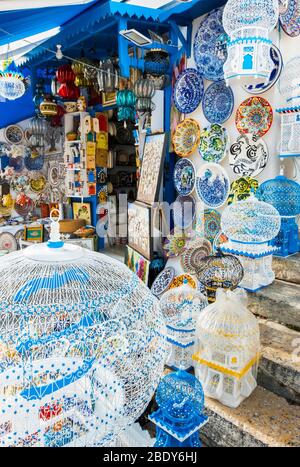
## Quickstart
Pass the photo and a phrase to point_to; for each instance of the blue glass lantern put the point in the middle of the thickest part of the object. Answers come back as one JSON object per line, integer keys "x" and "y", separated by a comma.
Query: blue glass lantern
{"x": 284, "y": 195}
{"x": 180, "y": 398}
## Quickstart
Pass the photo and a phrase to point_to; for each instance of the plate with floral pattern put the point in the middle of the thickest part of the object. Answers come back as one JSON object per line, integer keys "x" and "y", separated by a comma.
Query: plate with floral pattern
{"x": 188, "y": 91}
{"x": 254, "y": 116}
{"x": 186, "y": 137}
{"x": 212, "y": 184}
{"x": 218, "y": 102}
{"x": 242, "y": 188}
{"x": 163, "y": 281}
{"x": 175, "y": 244}
{"x": 183, "y": 279}
{"x": 13, "y": 134}
{"x": 184, "y": 176}
{"x": 248, "y": 156}
{"x": 289, "y": 17}
{"x": 212, "y": 223}
{"x": 210, "y": 50}
{"x": 214, "y": 143}
{"x": 191, "y": 256}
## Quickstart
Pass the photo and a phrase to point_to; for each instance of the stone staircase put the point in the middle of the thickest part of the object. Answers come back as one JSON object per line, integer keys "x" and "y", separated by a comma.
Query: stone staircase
{"x": 271, "y": 415}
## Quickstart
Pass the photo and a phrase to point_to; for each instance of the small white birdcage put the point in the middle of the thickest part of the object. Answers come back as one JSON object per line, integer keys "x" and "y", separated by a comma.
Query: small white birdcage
{"x": 181, "y": 307}
{"x": 248, "y": 24}
{"x": 82, "y": 346}
{"x": 250, "y": 225}
{"x": 227, "y": 348}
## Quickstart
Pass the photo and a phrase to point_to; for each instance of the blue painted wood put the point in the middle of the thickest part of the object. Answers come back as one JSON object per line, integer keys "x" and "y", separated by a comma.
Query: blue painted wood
{"x": 123, "y": 43}
{"x": 186, "y": 42}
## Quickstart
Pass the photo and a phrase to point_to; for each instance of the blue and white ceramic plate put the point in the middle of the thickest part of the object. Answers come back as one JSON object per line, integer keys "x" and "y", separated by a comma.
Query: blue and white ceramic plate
{"x": 163, "y": 281}
{"x": 212, "y": 184}
{"x": 210, "y": 50}
{"x": 218, "y": 102}
{"x": 289, "y": 17}
{"x": 184, "y": 176}
{"x": 184, "y": 211}
{"x": 264, "y": 86}
{"x": 214, "y": 143}
{"x": 188, "y": 91}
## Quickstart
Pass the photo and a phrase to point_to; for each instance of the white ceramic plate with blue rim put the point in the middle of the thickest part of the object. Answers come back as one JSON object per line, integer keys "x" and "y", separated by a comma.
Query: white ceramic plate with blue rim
{"x": 259, "y": 88}
{"x": 184, "y": 211}
{"x": 188, "y": 91}
{"x": 212, "y": 184}
{"x": 218, "y": 102}
{"x": 184, "y": 176}
{"x": 210, "y": 50}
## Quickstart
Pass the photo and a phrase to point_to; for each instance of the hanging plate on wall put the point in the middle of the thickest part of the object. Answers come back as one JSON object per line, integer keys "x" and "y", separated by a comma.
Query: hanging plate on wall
{"x": 210, "y": 51}
{"x": 254, "y": 116}
{"x": 184, "y": 176}
{"x": 8, "y": 242}
{"x": 13, "y": 134}
{"x": 248, "y": 156}
{"x": 218, "y": 102}
{"x": 184, "y": 211}
{"x": 212, "y": 224}
{"x": 289, "y": 17}
{"x": 214, "y": 143}
{"x": 163, "y": 281}
{"x": 264, "y": 86}
{"x": 190, "y": 258}
{"x": 175, "y": 244}
{"x": 188, "y": 91}
{"x": 241, "y": 189}
{"x": 212, "y": 184}
{"x": 186, "y": 137}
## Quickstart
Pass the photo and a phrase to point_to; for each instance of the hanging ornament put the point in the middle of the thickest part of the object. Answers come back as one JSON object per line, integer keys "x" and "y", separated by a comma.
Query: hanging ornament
{"x": 144, "y": 90}
{"x": 48, "y": 108}
{"x": 66, "y": 77}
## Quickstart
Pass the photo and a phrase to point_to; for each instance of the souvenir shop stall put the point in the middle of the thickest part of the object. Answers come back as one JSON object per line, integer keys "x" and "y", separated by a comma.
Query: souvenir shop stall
{"x": 167, "y": 139}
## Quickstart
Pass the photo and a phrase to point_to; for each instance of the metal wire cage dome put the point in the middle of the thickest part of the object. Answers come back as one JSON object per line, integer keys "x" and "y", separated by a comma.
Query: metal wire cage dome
{"x": 289, "y": 81}
{"x": 283, "y": 194}
{"x": 82, "y": 347}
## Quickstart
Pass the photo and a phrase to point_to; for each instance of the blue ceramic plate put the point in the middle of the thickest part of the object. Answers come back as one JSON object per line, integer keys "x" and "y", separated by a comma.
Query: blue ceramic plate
{"x": 212, "y": 184}
{"x": 218, "y": 102}
{"x": 188, "y": 91}
{"x": 264, "y": 86}
{"x": 289, "y": 17}
{"x": 210, "y": 51}
{"x": 184, "y": 176}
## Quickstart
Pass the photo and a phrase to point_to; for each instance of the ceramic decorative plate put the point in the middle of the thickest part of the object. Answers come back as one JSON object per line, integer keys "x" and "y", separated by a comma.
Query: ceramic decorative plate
{"x": 33, "y": 160}
{"x": 248, "y": 156}
{"x": 38, "y": 184}
{"x": 20, "y": 183}
{"x": 163, "y": 281}
{"x": 254, "y": 116}
{"x": 184, "y": 211}
{"x": 8, "y": 242}
{"x": 212, "y": 224}
{"x": 183, "y": 279}
{"x": 184, "y": 176}
{"x": 212, "y": 184}
{"x": 190, "y": 257}
{"x": 17, "y": 163}
{"x": 289, "y": 16}
{"x": 214, "y": 143}
{"x": 186, "y": 137}
{"x": 241, "y": 189}
{"x": 210, "y": 51}
{"x": 218, "y": 102}
{"x": 5, "y": 150}
{"x": 13, "y": 134}
{"x": 53, "y": 175}
{"x": 174, "y": 244}
{"x": 188, "y": 91}
{"x": 264, "y": 86}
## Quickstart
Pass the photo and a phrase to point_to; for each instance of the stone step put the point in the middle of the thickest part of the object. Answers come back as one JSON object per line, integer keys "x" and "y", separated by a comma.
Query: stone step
{"x": 279, "y": 302}
{"x": 264, "y": 419}
{"x": 279, "y": 366}
{"x": 287, "y": 269}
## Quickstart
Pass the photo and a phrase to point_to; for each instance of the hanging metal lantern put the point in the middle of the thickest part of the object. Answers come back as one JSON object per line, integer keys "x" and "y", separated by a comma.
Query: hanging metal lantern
{"x": 157, "y": 63}
{"x": 219, "y": 271}
{"x": 37, "y": 129}
{"x": 108, "y": 76}
{"x": 144, "y": 89}
{"x": 66, "y": 77}
{"x": 126, "y": 105}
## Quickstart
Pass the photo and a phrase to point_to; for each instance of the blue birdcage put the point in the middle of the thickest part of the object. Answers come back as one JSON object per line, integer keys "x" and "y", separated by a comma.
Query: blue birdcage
{"x": 180, "y": 398}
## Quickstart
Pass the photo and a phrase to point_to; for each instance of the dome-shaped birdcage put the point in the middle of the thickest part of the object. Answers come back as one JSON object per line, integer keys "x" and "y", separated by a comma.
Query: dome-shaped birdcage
{"x": 250, "y": 221}
{"x": 219, "y": 271}
{"x": 289, "y": 81}
{"x": 283, "y": 194}
{"x": 239, "y": 14}
{"x": 228, "y": 344}
{"x": 81, "y": 346}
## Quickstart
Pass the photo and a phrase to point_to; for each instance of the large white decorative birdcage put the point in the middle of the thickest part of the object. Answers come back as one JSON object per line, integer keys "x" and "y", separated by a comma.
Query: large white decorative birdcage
{"x": 82, "y": 346}
{"x": 248, "y": 24}
{"x": 250, "y": 225}
{"x": 181, "y": 307}
{"x": 227, "y": 348}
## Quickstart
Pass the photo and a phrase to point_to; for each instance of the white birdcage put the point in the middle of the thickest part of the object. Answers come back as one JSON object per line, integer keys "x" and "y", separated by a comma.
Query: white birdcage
{"x": 289, "y": 87}
{"x": 248, "y": 24}
{"x": 227, "y": 348}
{"x": 82, "y": 346}
{"x": 250, "y": 225}
{"x": 180, "y": 307}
